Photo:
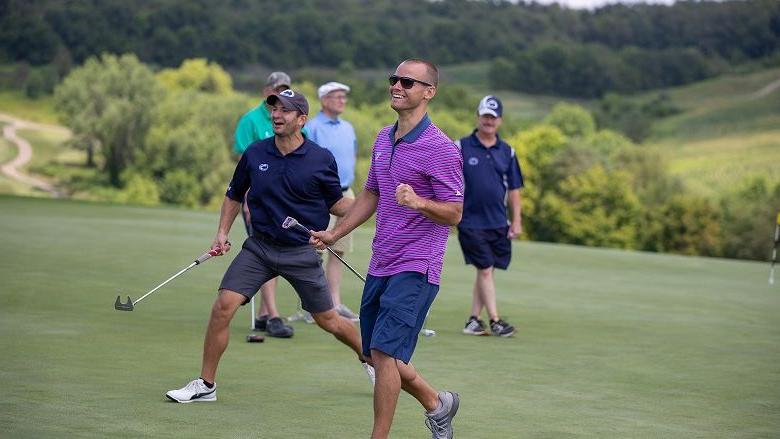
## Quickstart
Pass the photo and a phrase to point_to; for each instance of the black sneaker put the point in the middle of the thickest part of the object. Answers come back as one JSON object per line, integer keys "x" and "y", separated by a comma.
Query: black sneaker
{"x": 501, "y": 328}
{"x": 276, "y": 328}
{"x": 474, "y": 326}
{"x": 260, "y": 323}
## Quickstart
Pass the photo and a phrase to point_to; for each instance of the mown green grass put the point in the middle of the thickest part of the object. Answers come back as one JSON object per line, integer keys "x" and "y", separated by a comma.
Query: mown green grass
{"x": 612, "y": 344}
{"x": 36, "y": 110}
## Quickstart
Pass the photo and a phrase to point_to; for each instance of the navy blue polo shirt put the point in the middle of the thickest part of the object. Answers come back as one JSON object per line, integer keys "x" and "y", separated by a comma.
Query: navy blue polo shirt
{"x": 488, "y": 174}
{"x": 303, "y": 184}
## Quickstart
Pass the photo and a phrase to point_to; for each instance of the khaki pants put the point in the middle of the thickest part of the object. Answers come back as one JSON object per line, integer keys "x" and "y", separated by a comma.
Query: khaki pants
{"x": 343, "y": 245}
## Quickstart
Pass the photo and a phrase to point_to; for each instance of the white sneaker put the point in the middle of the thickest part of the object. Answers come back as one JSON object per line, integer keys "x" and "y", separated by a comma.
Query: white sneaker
{"x": 370, "y": 372}
{"x": 195, "y": 391}
{"x": 308, "y": 318}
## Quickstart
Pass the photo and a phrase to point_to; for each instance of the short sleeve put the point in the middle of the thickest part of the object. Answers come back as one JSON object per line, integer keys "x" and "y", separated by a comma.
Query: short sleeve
{"x": 372, "y": 185}
{"x": 331, "y": 185}
{"x": 514, "y": 177}
{"x": 446, "y": 173}
{"x": 240, "y": 182}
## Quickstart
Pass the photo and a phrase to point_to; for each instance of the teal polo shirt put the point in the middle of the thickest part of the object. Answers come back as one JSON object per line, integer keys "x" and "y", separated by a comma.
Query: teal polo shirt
{"x": 254, "y": 125}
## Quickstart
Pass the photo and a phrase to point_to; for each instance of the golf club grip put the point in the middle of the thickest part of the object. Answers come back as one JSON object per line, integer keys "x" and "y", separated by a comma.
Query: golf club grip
{"x": 208, "y": 255}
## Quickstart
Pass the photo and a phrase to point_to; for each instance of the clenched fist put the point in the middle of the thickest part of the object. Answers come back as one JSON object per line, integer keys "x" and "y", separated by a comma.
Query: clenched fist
{"x": 405, "y": 196}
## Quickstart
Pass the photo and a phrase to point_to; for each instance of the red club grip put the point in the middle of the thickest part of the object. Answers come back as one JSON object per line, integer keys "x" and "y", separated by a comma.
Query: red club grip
{"x": 209, "y": 254}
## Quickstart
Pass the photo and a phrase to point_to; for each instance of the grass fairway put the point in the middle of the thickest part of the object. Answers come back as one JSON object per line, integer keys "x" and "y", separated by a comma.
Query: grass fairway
{"x": 612, "y": 344}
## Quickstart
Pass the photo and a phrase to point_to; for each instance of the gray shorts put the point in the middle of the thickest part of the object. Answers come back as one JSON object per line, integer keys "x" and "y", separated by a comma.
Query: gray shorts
{"x": 259, "y": 261}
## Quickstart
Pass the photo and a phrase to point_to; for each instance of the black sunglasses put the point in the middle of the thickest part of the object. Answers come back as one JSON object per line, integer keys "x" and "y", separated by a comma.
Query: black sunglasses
{"x": 406, "y": 82}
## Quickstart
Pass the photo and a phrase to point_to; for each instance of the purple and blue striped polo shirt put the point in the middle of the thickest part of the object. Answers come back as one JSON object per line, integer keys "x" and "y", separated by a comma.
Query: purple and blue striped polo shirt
{"x": 428, "y": 161}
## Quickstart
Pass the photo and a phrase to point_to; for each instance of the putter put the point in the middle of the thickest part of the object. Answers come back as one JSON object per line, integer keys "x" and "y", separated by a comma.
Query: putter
{"x": 130, "y": 305}
{"x": 292, "y": 222}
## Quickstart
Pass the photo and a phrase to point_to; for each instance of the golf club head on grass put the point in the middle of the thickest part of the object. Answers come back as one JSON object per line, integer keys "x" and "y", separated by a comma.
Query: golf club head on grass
{"x": 118, "y": 305}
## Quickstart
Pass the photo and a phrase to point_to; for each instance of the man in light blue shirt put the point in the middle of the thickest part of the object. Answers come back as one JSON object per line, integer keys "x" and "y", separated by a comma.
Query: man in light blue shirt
{"x": 328, "y": 130}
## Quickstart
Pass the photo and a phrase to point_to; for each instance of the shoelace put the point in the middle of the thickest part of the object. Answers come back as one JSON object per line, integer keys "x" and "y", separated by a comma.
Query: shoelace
{"x": 194, "y": 386}
{"x": 435, "y": 427}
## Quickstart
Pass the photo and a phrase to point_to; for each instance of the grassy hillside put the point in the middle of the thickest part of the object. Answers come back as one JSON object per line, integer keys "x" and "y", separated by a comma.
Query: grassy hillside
{"x": 612, "y": 344}
{"x": 37, "y": 110}
{"x": 728, "y": 130}
{"x": 517, "y": 106}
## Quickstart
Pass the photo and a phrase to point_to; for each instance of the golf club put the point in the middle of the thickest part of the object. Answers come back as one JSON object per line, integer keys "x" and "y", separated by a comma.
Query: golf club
{"x": 774, "y": 251}
{"x": 130, "y": 305}
{"x": 292, "y": 222}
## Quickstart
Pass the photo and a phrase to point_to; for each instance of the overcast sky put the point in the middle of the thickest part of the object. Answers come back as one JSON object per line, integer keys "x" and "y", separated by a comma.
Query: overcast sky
{"x": 590, "y": 4}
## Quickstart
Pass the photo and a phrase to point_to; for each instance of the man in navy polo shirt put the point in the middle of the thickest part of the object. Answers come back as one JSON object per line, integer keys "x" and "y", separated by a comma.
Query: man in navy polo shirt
{"x": 285, "y": 175}
{"x": 492, "y": 175}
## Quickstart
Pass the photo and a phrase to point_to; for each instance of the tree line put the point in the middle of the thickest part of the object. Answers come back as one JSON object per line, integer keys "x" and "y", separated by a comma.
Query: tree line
{"x": 166, "y": 136}
{"x": 536, "y": 48}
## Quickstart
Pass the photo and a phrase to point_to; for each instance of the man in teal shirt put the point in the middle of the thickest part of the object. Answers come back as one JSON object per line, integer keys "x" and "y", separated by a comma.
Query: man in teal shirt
{"x": 256, "y": 125}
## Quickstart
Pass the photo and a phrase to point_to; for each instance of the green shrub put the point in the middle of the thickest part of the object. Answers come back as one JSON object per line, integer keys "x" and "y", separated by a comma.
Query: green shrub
{"x": 179, "y": 187}
{"x": 139, "y": 189}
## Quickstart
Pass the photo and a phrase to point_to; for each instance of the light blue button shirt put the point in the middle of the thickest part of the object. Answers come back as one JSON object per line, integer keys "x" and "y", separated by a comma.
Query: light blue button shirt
{"x": 337, "y": 136}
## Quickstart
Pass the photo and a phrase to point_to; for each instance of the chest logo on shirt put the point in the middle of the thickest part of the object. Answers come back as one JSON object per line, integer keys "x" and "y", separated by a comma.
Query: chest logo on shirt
{"x": 263, "y": 167}
{"x": 473, "y": 161}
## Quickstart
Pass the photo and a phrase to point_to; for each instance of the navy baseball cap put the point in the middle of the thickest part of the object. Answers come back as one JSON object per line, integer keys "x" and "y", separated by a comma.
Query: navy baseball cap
{"x": 291, "y": 100}
{"x": 490, "y": 105}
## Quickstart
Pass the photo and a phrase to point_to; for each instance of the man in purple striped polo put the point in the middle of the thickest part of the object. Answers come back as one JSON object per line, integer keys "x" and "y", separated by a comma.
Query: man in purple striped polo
{"x": 415, "y": 185}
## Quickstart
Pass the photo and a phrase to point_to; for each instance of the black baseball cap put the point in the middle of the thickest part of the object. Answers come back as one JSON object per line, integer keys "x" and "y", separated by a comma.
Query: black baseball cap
{"x": 291, "y": 100}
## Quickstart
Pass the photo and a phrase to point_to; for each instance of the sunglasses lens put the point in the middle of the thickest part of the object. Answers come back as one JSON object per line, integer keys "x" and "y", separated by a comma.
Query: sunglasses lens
{"x": 407, "y": 83}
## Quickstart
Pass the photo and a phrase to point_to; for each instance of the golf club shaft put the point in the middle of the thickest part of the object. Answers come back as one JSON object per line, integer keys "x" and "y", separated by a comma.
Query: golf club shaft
{"x": 308, "y": 232}
{"x": 166, "y": 281}
{"x": 774, "y": 259}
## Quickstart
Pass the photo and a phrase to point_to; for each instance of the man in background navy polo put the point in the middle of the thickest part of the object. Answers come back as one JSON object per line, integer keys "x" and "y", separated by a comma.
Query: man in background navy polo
{"x": 492, "y": 175}
{"x": 284, "y": 175}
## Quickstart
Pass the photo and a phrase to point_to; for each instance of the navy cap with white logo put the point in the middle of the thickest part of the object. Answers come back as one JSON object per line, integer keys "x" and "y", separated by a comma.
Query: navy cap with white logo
{"x": 490, "y": 105}
{"x": 291, "y": 100}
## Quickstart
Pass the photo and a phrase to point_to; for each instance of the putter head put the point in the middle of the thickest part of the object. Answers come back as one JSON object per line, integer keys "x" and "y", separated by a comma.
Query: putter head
{"x": 119, "y": 306}
{"x": 289, "y": 222}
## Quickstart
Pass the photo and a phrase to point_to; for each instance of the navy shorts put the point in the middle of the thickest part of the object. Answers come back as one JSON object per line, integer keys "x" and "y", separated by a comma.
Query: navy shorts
{"x": 392, "y": 312}
{"x": 259, "y": 261}
{"x": 485, "y": 248}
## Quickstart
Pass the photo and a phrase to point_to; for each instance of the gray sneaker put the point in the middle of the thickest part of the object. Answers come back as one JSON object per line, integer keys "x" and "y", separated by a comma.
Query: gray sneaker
{"x": 347, "y": 313}
{"x": 440, "y": 421}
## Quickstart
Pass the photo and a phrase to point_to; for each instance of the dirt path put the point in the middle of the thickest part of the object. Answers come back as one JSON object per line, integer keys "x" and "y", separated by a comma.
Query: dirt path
{"x": 12, "y": 169}
{"x": 767, "y": 89}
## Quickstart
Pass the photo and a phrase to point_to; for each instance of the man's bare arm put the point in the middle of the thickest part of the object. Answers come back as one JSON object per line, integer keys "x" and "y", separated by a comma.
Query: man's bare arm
{"x": 516, "y": 226}
{"x": 443, "y": 212}
{"x": 361, "y": 210}
{"x": 227, "y": 215}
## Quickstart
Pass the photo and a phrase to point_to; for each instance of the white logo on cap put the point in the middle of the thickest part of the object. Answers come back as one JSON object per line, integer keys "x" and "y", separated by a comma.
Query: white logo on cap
{"x": 492, "y": 104}
{"x": 263, "y": 167}
{"x": 473, "y": 161}
{"x": 287, "y": 93}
